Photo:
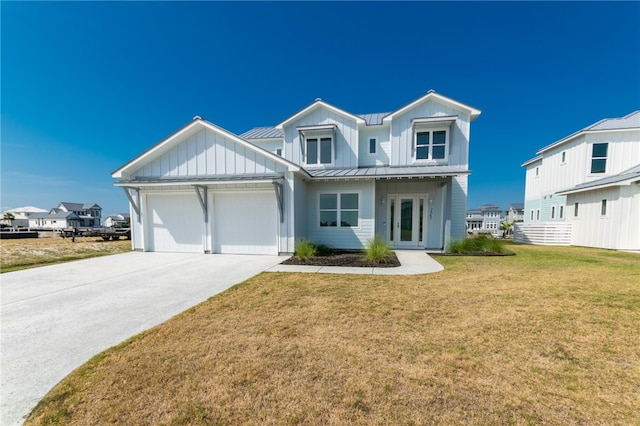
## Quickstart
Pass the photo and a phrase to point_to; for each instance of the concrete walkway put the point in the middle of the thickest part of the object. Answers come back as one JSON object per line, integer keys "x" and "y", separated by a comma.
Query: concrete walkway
{"x": 55, "y": 318}
{"x": 413, "y": 262}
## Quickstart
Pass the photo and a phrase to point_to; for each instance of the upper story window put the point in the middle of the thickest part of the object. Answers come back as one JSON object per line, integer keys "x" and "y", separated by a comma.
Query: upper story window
{"x": 599, "y": 157}
{"x": 318, "y": 144}
{"x": 372, "y": 146}
{"x": 431, "y": 145}
{"x": 431, "y": 138}
{"x": 564, "y": 157}
{"x": 319, "y": 150}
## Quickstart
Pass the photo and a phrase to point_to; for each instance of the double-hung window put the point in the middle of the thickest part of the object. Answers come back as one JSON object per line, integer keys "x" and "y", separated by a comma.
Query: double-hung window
{"x": 599, "y": 157}
{"x": 431, "y": 145}
{"x": 431, "y": 138}
{"x": 339, "y": 210}
{"x": 319, "y": 150}
{"x": 317, "y": 143}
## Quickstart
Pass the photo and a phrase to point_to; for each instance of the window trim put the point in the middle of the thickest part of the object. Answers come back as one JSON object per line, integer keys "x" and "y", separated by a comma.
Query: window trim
{"x": 593, "y": 158}
{"x": 318, "y": 133}
{"x": 603, "y": 208}
{"x": 375, "y": 146}
{"x": 338, "y": 210}
{"x": 417, "y": 129}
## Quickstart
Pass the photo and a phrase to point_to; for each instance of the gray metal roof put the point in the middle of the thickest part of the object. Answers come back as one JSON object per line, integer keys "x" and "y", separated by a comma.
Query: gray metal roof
{"x": 629, "y": 121}
{"x": 374, "y": 119}
{"x": 516, "y": 206}
{"x": 387, "y": 172}
{"x": 262, "y": 133}
{"x": 78, "y": 206}
{"x": 630, "y": 175}
{"x": 142, "y": 181}
{"x": 56, "y": 215}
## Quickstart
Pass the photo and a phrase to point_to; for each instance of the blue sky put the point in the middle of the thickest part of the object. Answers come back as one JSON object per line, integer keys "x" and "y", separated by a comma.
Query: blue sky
{"x": 87, "y": 86}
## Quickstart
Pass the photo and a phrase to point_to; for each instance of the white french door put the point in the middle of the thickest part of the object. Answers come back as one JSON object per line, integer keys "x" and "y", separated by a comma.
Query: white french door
{"x": 407, "y": 224}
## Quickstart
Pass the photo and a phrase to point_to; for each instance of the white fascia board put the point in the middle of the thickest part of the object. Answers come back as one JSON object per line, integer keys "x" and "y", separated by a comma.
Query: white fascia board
{"x": 533, "y": 160}
{"x": 134, "y": 184}
{"x": 592, "y": 188}
{"x": 431, "y": 94}
{"x": 583, "y": 132}
{"x": 192, "y": 127}
{"x": 316, "y": 105}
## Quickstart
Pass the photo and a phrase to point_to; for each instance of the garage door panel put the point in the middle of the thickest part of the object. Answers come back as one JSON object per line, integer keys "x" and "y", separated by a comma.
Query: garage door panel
{"x": 175, "y": 223}
{"x": 246, "y": 223}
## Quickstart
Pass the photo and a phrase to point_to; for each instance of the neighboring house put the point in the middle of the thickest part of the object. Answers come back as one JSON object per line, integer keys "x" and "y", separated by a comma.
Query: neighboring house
{"x": 585, "y": 188}
{"x": 68, "y": 215}
{"x": 322, "y": 174}
{"x": 118, "y": 220}
{"x": 21, "y": 216}
{"x": 515, "y": 213}
{"x": 486, "y": 219}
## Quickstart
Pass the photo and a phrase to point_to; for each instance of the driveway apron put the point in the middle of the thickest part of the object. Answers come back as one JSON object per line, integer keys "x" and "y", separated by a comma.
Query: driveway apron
{"x": 54, "y": 318}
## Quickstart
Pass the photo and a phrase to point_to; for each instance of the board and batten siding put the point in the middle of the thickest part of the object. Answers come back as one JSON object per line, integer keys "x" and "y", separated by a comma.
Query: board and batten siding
{"x": 207, "y": 153}
{"x": 619, "y": 229}
{"x": 458, "y": 213}
{"x": 402, "y": 147}
{"x": 382, "y": 155}
{"x": 344, "y": 238}
{"x": 346, "y": 143}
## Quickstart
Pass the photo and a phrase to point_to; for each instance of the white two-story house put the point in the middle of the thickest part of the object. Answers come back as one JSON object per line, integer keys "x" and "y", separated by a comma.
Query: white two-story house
{"x": 322, "y": 174}
{"x": 585, "y": 188}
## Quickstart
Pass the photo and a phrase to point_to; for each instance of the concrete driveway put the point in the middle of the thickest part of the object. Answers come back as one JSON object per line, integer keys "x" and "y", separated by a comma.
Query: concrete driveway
{"x": 54, "y": 318}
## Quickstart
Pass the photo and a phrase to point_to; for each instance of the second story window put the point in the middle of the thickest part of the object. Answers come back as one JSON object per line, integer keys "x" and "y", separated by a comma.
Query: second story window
{"x": 431, "y": 145}
{"x": 372, "y": 146}
{"x": 319, "y": 150}
{"x": 599, "y": 157}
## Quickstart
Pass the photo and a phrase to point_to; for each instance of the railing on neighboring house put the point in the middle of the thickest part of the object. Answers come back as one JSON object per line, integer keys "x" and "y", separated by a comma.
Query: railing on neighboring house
{"x": 544, "y": 233}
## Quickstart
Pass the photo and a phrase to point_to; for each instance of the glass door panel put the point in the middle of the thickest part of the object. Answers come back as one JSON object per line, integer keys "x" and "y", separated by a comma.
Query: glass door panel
{"x": 406, "y": 219}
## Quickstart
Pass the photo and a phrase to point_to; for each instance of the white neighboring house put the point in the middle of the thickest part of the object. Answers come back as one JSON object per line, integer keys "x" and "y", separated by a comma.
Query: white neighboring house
{"x": 21, "y": 216}
{"x": 486, "y": 219}
{"x": 68, "y": 215}
{"x": 584, "y": 189}
{"x": 515, "y": 213}
{"x": 323, "y": 174}
{"x": 117, "y": 220}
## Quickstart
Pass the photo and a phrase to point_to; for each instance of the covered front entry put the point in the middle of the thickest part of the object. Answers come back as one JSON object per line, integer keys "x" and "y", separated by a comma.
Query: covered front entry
{"x": 245, "y": 222}
{"x": 407, "y": 220}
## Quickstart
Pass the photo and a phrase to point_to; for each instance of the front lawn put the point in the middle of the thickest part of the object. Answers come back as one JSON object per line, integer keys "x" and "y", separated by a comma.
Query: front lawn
{"x": 549, "y": 336}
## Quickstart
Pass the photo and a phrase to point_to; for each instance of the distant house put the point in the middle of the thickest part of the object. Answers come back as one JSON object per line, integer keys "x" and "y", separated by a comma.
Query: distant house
{"x": 118, "y": 220}
{"x": 485, "y": 219}
{"x": 68, "y": 215}
{"x": 21, "y": 216}
{"x": 515, "y": 213}
{"x": 323, "y": 174}
{"x": 585, "y": 188}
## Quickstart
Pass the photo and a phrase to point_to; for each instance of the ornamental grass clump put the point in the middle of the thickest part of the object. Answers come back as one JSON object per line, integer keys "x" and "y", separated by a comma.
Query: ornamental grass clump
{"x": 377, "y": 251}
{"x": 305, "y": 250}
{"x": 479, "y": 244}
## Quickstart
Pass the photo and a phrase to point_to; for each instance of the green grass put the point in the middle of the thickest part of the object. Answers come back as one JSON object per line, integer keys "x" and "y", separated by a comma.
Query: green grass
{"x": 545, "y": 337}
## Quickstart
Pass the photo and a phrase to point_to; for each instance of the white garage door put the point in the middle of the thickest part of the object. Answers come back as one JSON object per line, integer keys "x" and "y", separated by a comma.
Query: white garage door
{"x": 175, "y": 223}
{"x": 246, "y": 223}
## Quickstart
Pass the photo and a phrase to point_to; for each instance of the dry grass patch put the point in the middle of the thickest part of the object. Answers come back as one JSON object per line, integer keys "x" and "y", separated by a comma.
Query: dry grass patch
{"x": 547, "y": 336}
{"x": 32, "y": 252}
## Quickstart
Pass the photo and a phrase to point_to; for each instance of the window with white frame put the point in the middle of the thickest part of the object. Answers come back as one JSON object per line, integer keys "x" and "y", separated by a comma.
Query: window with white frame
{"x": 603, "y": 208}
{"x": 575, "y": 209}
{"x": 553, "y": 212}
{"x": 339, "y": 210}
{"x": 431, "y": 144}
{"x": 372, "y": 145}
{"x": 599, "y": 157}
{"x": 561, "y": 212}
{"x": 319, "y": 150}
